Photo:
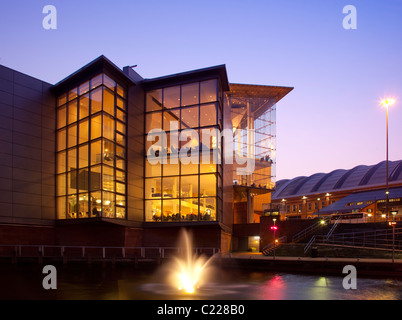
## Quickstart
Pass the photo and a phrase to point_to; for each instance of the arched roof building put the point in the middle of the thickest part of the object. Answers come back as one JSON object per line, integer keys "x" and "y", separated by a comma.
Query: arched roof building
{"x": 320, "y": 193}
{"x": 355, "y": 179}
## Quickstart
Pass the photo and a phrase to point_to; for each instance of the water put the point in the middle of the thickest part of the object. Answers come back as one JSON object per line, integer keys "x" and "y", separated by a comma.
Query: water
{"x": 77, "y": 281}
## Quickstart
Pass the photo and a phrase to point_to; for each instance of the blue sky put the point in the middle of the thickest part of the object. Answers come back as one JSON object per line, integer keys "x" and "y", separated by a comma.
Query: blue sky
{"x": 332, "y": 119}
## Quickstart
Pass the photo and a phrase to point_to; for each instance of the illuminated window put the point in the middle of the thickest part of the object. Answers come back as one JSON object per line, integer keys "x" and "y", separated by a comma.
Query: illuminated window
{"x": 154, "y": 100}
{"x": 171, "y": 116}
{"x": 208, "y": 91}
{"x": 187, "y": 192}
{"x": 171, "y": 97}
{"x": 72, "y": 112}
{"x": 208, "y": 115}
{"x": 153, "y": 121}
{"x": 91, "y": 176}
{"x": 61, "y": 117}
{"x": 190, "y": 94}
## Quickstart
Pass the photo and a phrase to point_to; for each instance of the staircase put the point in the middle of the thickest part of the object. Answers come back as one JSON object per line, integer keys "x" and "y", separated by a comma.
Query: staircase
{"x": 310, "y": 230}
{"x": 266, "y": 251}
{"x": 325, "y": 238}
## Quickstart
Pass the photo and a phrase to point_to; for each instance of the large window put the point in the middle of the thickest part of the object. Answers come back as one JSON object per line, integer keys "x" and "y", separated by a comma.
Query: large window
{"x": 253, "y": 120}
{"x": 183, "y": 191}
{"x": 91, "y": 150}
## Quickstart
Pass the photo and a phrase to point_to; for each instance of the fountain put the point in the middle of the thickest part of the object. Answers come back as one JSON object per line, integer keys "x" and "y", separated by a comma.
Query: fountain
{"x": 191, "y": 276}
{"x": 188, "y": 271}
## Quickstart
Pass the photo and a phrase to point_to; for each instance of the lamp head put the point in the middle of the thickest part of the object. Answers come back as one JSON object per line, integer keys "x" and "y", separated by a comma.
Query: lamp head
{"x": 387, "y": 102}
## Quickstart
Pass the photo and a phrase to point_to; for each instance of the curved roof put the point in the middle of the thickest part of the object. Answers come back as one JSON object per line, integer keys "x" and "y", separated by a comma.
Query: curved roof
{"x": 340, "y": 180}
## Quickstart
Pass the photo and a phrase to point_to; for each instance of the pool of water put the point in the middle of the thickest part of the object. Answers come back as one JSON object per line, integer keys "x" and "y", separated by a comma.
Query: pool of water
{"x": 126, "y": 283}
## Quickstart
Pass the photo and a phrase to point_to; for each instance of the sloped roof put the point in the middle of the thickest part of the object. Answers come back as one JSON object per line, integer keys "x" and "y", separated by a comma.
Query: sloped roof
{"x": 340, "y": 180}
{"x": 360, "y": 200}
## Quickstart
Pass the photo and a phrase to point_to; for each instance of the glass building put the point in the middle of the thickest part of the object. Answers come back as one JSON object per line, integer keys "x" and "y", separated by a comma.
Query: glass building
{"x": 174, "y": 190}
{"x": 91, "y": 150}
{"x": 107, "y": 157}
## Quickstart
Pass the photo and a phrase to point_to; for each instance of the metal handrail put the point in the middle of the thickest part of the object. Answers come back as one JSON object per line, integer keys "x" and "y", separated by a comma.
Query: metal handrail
{"x": 309, "y": 244}
{"x": 309, "y": 230}
{"x": 376, "y": 239}
{"x": 330, "y": 232}
{"x": 84, "y": 249}
{"x": 273, "y": 244}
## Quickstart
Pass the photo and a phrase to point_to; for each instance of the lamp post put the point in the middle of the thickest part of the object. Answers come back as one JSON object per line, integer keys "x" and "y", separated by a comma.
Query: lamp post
{"x": 393, "y": 224}
{"x": 274, "y": 228}
{"x": 386, "y": 103}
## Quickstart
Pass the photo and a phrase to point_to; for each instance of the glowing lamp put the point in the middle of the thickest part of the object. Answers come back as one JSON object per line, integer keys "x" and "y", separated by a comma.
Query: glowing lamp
{"x": 274, "y": 228}
{"x": 387, "y": 102}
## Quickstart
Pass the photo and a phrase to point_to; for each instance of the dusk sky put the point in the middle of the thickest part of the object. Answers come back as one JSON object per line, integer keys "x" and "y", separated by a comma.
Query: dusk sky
{"x": 331, "y": 120}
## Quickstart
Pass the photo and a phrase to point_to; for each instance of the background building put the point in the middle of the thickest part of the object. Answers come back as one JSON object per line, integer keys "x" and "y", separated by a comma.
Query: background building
{"x": 361, "y": 189}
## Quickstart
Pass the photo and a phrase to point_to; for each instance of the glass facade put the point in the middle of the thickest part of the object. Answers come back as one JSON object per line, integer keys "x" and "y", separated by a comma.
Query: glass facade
{"x": 183, "y": 190}
{"x": 91, "y": 150}
{"x": 254, "y": 137}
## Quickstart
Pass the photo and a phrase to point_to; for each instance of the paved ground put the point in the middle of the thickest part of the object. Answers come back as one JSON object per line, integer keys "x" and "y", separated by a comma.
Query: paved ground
{"x": 260, "y": 256}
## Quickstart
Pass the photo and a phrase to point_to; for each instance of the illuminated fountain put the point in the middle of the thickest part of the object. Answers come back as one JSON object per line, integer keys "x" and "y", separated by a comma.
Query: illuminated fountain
{"x": 191, "y": 276}
{"x": 189, "y": 271}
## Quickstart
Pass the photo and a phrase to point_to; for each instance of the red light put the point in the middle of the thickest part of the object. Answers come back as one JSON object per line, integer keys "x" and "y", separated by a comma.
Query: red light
{"x": 274, "y": 228}
{"x": 391, "y": 223}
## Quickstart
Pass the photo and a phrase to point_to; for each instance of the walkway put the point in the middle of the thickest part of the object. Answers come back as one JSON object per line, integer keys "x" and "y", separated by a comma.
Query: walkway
{"x": 383, "y": 268}
{"x": 260, "y": 256}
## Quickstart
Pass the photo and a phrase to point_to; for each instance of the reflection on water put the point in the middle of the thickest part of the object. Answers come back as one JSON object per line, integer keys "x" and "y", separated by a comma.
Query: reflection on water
{"x": 126, "y": 282}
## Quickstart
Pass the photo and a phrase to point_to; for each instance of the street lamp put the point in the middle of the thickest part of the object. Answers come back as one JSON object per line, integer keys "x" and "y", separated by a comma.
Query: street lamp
{"x": 393, "y": 224}
{"x": 274, "y": 228}
{"x": 386, "y": 103}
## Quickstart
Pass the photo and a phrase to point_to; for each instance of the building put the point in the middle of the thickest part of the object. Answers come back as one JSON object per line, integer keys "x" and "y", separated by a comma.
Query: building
{"x": 361, "y": 189}
{"x": 92, "y": 159}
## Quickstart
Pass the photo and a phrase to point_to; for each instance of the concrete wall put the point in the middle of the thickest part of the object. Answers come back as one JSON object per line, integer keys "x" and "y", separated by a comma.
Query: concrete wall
{"x": 27, "y": 147}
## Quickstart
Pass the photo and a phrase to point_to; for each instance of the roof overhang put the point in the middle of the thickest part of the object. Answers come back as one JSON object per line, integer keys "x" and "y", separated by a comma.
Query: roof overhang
{"x": 276, "y": 93}
{"x": 100, "y": 64}
{"x": 189, "y": 76}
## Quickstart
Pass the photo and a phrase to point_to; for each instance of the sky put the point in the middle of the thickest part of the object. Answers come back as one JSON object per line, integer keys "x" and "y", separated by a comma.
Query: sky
{"x": 331, "y": 120}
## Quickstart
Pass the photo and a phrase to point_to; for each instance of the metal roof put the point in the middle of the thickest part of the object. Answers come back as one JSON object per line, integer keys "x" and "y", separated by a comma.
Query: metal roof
{"x": 340, "y": 180}
{"x": 360, "y": 200}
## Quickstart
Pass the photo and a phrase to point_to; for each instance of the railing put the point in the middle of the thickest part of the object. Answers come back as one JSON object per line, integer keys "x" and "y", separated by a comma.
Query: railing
{"x": 330, "y": 232}
{"x": 309, "y": 230}
{"x": 309, "y": 244}
{"x": 270, "y": 246}
{"x": 377, "y": 239}
{"x": 97, "y": 252}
